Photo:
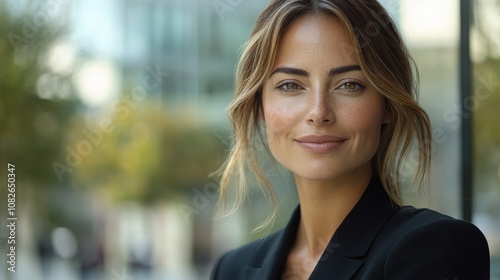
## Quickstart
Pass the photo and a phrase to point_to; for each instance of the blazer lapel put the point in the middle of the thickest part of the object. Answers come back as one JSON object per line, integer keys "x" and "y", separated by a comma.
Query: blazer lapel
{"x": 270, "y": 267}
{"x": 343, "y": 255}
{"x": 352, "y": 240}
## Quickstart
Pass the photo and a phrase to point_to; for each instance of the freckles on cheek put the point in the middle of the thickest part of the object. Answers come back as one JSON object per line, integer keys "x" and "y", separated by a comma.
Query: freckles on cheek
{"x": 276, "y": 123}
{"x": 281, "y": 117}
{"x": 367, "y": 119}
{"x": 278, "y": 120}
{"x": 277, "y": 126}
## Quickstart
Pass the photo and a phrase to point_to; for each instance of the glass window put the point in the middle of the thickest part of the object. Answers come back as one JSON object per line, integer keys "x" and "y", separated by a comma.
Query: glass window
{"x": 431, "y": 31}
{"x": 483, "y": 107}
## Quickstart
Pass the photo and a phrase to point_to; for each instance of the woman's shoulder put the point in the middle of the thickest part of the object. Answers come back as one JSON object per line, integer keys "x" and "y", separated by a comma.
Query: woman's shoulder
{"x": 410, "y": 220}
{"x": 445, "y": 244}
{"x": 414, "y": 226}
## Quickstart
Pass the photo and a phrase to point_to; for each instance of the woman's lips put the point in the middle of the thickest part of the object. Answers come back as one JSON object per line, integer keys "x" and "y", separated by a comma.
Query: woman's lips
{"x": 319, "y": 144}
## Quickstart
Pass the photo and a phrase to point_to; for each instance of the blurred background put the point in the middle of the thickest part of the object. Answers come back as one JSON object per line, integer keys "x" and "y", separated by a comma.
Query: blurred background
{"x": 113, "y": 113}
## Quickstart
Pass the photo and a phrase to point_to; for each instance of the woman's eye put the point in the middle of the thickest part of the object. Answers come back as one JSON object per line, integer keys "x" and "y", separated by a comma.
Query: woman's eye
{"x": 351, "y": 86}
{"x": 289, "y": 86}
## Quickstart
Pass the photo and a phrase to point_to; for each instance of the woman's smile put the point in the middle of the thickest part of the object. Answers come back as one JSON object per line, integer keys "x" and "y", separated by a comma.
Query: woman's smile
{"x": 320, "y": 144}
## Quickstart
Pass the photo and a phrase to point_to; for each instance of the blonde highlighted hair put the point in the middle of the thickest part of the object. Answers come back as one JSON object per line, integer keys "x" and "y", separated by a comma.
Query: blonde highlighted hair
{"x": 386, "y": 63}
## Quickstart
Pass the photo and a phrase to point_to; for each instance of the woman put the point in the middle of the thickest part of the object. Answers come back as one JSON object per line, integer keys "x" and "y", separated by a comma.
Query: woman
{"x": 332, "y": 85}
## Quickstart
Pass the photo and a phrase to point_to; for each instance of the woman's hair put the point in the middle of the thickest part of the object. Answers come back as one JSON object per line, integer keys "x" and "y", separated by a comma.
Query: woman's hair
{"x": 384, "y": 60}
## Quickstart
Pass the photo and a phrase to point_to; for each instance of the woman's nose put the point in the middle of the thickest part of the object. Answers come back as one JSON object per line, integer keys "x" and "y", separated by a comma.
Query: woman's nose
{"x": 320, "y": 108}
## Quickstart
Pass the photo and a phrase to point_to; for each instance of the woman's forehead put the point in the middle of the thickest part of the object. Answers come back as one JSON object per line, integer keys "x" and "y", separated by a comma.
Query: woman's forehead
{"x": 317, "y": 37}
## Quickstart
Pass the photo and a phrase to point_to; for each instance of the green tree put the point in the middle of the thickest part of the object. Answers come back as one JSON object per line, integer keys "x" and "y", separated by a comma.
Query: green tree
{"x": 146, "y": 154}
{"x": 31, "y": 127}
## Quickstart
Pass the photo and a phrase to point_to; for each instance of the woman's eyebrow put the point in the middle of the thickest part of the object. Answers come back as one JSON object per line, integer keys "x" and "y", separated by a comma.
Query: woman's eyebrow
{"x": 304, "y": 73}
{"x": 291, "y": 71}
{"x": 343, "y": 69}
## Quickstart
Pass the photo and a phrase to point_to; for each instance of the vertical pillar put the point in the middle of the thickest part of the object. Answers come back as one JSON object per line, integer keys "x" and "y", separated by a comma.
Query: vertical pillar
{"x": 465, "y": 95}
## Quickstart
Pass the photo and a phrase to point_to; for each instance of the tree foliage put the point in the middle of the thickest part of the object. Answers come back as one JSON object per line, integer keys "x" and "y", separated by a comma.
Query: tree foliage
{"x": 31, "y": 127}
{"x": 145, "y": 155}
{"x": 485, "y": 119}
{"x": 486, "y": 94}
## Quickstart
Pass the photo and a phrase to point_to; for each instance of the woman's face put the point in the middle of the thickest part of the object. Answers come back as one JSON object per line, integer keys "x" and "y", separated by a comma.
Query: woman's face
{"x": 323, "y": 118}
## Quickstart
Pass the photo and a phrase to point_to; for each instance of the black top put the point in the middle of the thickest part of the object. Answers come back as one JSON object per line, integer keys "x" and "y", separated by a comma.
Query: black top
{"x": 377, "y": 240}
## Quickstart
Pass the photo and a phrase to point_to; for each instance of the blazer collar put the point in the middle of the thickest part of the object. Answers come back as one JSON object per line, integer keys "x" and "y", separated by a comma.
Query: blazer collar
{"x": 351, "y": 241}
{"x": 272, "y": 264}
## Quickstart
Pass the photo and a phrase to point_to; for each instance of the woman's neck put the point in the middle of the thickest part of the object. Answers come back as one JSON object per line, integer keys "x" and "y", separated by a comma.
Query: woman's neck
{"x": 323, "y": 206}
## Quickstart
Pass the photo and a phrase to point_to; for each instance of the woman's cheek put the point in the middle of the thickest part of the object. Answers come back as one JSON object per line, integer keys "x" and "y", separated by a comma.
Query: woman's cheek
{"x": 367, "y": 115}
{"x": 281, "y": 117}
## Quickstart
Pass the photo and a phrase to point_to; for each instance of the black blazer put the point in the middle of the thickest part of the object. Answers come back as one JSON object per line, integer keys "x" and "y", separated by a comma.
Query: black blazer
{"x": 377, "y": 240}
